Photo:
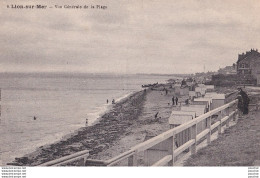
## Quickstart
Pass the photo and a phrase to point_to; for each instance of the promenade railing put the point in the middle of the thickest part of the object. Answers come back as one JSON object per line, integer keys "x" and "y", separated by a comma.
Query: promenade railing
{"x": 80, "y": 156}
{"x": 213, "y": 120}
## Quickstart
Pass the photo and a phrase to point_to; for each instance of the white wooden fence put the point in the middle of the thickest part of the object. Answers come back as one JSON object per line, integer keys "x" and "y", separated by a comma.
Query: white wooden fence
{"x": 79, "y": 156}
{"x": 224, "y": 114}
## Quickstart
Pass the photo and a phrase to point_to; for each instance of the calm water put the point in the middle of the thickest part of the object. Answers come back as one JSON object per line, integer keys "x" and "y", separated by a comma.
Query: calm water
{"x": 61, "y": 103}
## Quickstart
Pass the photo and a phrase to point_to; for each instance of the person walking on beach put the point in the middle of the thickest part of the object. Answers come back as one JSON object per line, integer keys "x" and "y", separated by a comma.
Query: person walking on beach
{"x": 107, "y": 101}
{"x": 113, "y": 101}
{"x": 176, "y": 100}
{"x": 173, "y": 100}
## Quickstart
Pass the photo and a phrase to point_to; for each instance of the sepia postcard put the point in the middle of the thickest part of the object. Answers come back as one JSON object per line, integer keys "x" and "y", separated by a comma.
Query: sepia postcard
{"x": 132, "y": 83}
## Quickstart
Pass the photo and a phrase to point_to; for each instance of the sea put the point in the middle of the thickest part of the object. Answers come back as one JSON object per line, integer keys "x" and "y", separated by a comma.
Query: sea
{"x": 41, "y": 108}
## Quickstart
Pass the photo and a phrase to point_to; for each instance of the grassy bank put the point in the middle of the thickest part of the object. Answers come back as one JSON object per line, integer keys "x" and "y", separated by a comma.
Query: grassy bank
{"x": 237, "y": 146}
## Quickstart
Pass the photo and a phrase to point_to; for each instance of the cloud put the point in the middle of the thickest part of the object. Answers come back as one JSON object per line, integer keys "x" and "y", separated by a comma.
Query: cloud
{"x": 129, "y": 37}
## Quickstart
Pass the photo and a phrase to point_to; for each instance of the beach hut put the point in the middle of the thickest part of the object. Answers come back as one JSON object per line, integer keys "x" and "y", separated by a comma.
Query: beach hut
{"x": 203, "y": 101}
{"x": 184, "y": 91}
{"x": 197, "y": 92}
{"x": 209, "y": 88}
{"x": 180, "y": 117}
{"x": 217, "y": 99}
{"x": 177, "y": 89}
{"x": 192, "y": 94}
{"x": 198, "y": 109}
{"x": 200, "y": 91}
{"x": 157, "y": 152}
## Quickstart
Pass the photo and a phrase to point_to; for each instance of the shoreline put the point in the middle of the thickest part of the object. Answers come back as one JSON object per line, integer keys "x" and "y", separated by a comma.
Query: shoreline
{"x": 127, "y": 123}
{"x": 96, "y": 137}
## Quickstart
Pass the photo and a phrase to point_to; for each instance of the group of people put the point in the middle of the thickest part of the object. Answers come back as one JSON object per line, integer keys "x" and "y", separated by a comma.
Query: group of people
{"x": 113, "y": 101}
{"x": 175, "y": 100}
{"x": 243, "y": 101}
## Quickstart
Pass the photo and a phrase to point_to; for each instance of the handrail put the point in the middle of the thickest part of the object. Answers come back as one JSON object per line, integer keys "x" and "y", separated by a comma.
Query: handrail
{"x": 170, "y": 133}
{"x": 155, "y": 140}
{"x": 67, "y": 159}
{"x": 163, "y": 161}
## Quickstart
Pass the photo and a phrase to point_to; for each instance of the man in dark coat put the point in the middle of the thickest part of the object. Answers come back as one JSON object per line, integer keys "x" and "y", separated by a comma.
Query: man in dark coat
{"x": 245, "y": 99}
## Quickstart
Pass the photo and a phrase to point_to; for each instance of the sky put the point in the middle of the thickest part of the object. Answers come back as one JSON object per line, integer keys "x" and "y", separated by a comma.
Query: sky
{"x": 129, "y": 36}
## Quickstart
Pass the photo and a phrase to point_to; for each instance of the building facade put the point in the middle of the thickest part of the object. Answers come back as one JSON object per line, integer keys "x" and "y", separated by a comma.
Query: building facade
{"x": 249, "y": 63}
{"x": 228, "y": 70}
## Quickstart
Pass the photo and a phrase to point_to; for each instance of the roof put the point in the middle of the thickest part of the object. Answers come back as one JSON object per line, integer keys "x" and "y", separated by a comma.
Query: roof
{"x": 215, "y": 96}
{"x": 191, "y": 113}
{"x": 198, "y": 105}
{"x": 179, "y": 119}
{"x": 209, "y": 86}
{"x": 198, "y": 110}
{"x": 204, "y": 99}
{"x": 248, "y": 56}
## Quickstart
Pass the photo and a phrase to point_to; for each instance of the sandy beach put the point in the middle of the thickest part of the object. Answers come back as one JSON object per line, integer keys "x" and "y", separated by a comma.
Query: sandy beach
{"x": 128, "y": 123}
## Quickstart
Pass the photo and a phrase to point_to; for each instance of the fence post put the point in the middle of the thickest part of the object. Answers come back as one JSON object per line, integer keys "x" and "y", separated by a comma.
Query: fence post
{"x": 132, "y": 160}
{"x": 193, "y": 136}
{"x": 228, "y": 121}
{"x": 173, "y": 148}
{"x": 209, "y": 127}
{"x": 229, "y": 117}
{"x": 84, "y": 161}
{"x": 219, "y": 119}
{"x": 226, "y": 113}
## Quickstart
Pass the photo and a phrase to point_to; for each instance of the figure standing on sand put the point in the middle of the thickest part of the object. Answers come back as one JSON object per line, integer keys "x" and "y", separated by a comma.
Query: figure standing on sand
{"x": 187, "y": 101}
{"x": 86, "y": 122}
{"x": 113, "y": 101}
{"x": 173, "y": 100}
{"x": 176, "y": 100}
{"x": 156, "y": 115}
{"x": 156, "y": 118}
{"x": 107, "y": 101}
